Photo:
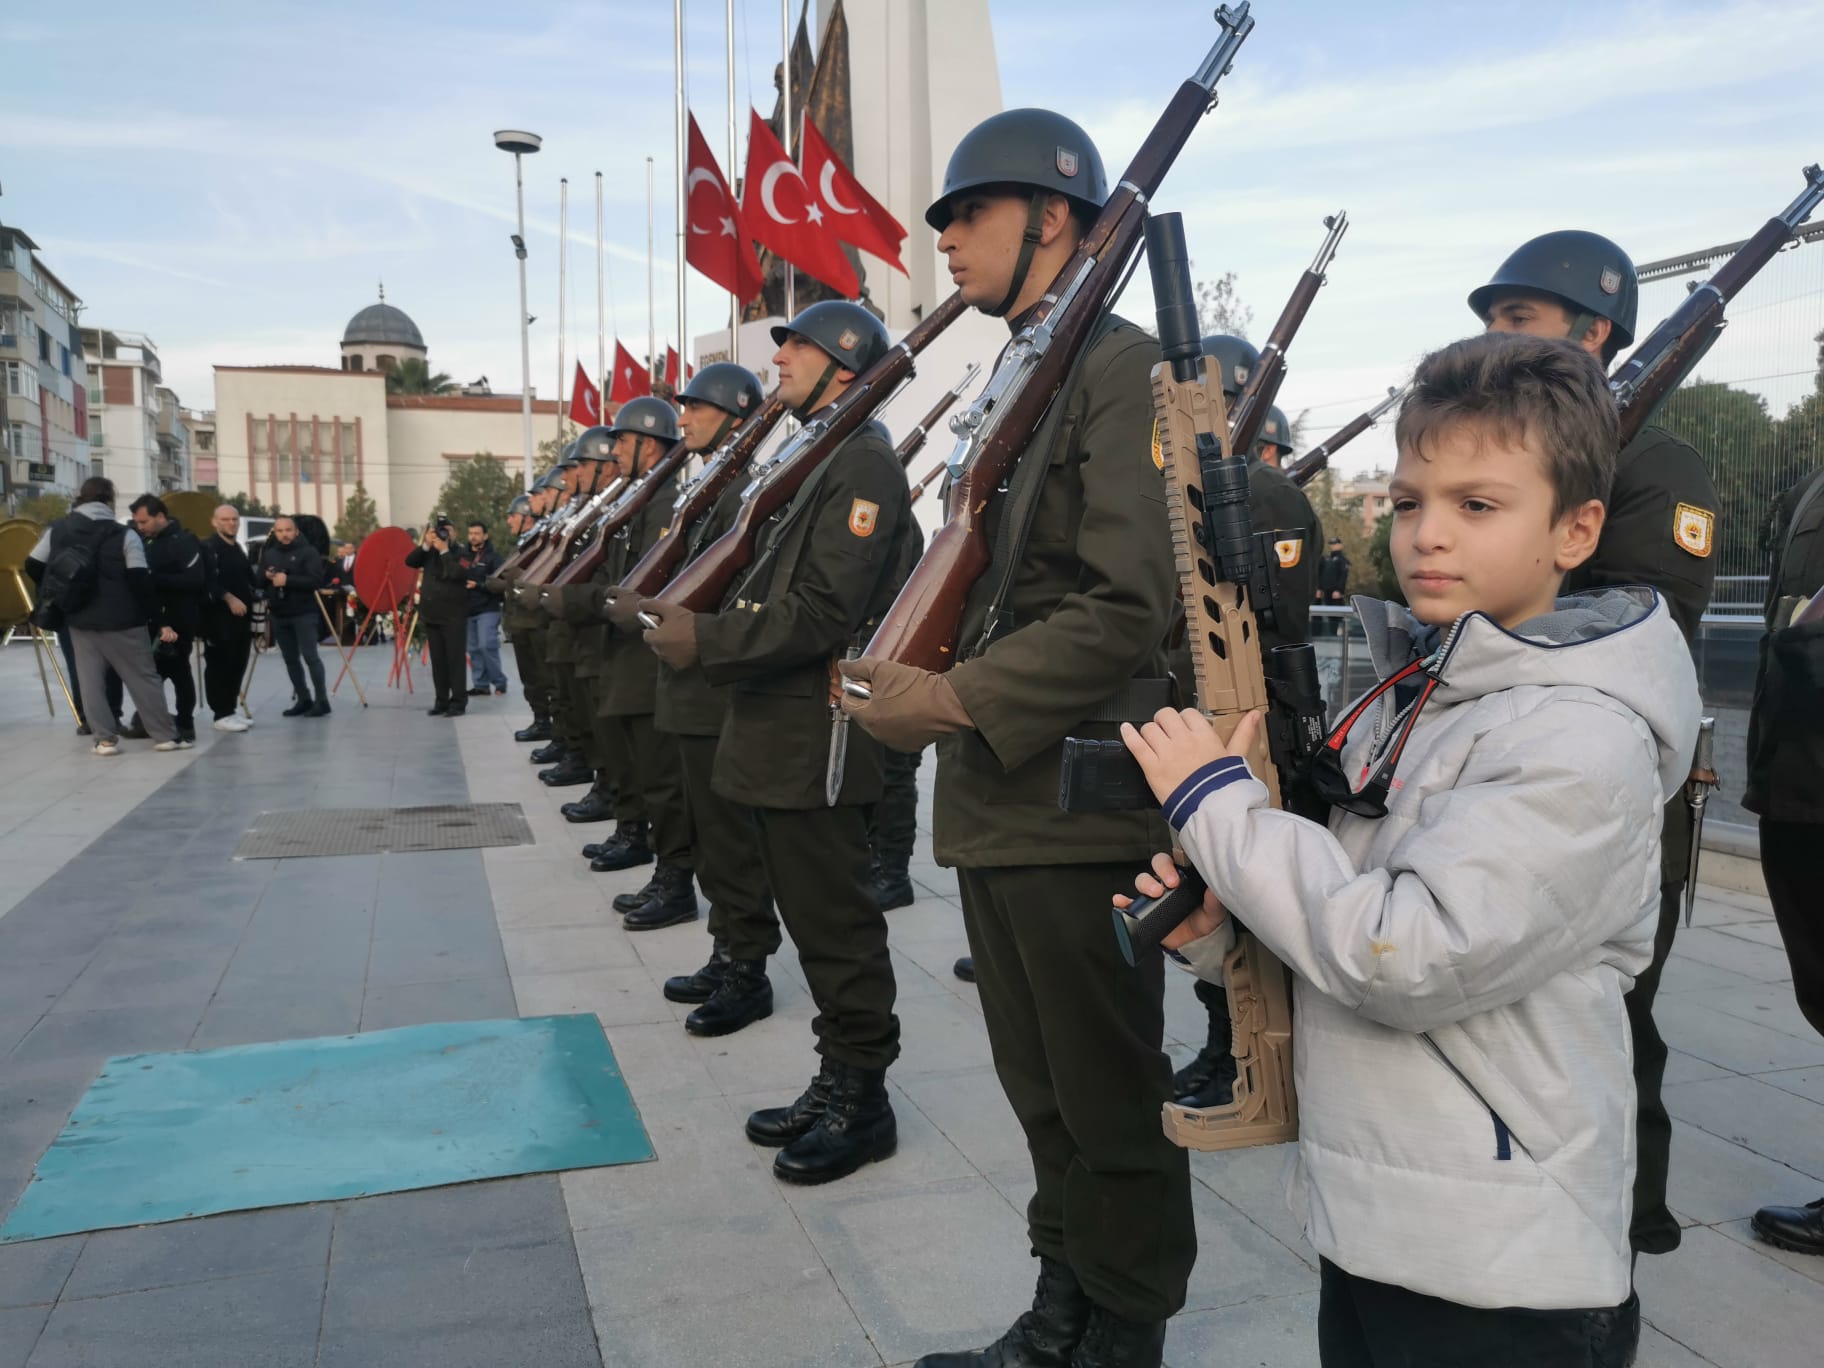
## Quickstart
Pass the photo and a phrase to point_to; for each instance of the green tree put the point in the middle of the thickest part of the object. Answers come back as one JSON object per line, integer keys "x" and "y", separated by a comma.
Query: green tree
{"x": 1380, "y": 553}
{"x": 359, "y": 516}
{"x": 1342, "y": 519}
{"x": 1220, "y": 309}
{"x": 1740, "y": 444}
{"x": 413, "y": 376}
{"x": 43, "y": 509}
{"x": 244, "y": 504}
{"x": 477, "y": 490}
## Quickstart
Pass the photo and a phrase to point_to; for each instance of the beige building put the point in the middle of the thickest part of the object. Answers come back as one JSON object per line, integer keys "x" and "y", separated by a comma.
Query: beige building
{"x": 1372, "y": 491}
{"x": 302, "y": 437}
{"x": 137, "y": 434}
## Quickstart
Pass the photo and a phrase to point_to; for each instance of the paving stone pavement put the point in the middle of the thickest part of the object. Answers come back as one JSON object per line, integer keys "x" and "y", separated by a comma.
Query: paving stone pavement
{"x": 140, "y": 934}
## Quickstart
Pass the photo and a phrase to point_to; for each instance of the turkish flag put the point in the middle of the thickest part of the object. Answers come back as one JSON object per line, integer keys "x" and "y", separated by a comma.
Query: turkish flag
{"x": 631, "y": 379}
{"x": 718, "y": 245}
{"x": 671, "y": 369}
{"x": 785, "y": 216}
{"x": 853, "y": 214}
{"x": 585, "y": 400}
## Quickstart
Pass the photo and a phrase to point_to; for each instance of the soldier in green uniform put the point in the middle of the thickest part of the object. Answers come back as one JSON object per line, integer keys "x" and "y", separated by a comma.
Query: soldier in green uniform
{"x": 731, "y": 990}
{"x": 522, "y": 515}
{"x": 823, "y": 573}
{"x": 1076, "y": 1032}
{"x": 555, "y": 650}
{"x": 644, "y": 429}
{"x": 1274, "y": 504}
{"x": 1660, "y": 531}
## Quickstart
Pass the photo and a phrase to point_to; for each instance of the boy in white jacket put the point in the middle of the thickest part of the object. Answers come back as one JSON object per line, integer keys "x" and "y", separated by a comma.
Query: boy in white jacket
{"x": 1466, "y": 1104}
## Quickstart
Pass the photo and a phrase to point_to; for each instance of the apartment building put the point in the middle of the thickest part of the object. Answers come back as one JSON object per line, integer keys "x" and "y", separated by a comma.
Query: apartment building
{"x": 44, "y": 421}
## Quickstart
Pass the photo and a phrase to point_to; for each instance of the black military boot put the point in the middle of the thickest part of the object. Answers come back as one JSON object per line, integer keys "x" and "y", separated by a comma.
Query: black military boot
{"x": 964, "y": 968}
{"x": 1209, "y": 1079}
{"x": 597, "y": 805}
{"x": 697, "y": 987}
{"x": 776, "y": 1126}
{"x": 572, "y": 770}
{"x": 741, "y": 997}
{"x": 888, "y": 883}
{"x": 539, "y": 730}
{"x": 857, "y": 1127}
{"x": 626, "y": 849}
{"x": 548, "y": 754}
{"x": 670, "y": 900}
{"x": 1110, "y": 1342}
{"x": 1615, "y": 1334}
{"x": 1044, "y": 1337}
{"x": 1800, "y": 1229}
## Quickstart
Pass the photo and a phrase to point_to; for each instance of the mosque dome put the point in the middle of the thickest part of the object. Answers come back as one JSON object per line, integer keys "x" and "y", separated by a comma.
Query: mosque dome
{"x": 382, "y": 325}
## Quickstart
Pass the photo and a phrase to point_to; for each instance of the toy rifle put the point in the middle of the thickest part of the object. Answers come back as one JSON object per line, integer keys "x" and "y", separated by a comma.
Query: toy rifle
{"x": 914, "y": 441}
{"x": 1671, "y": 352}
{"x": 701, "y": 584}
{"x": 1264, "y": 380}
{"x": 1315, "y": 461}
{"x": 629, "y": 502}
{"x": 921, "y": 627}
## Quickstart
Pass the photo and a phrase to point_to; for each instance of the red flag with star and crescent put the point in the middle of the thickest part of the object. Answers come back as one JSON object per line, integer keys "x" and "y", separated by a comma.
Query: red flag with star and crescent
{"x": 718, "y": 245}
{"x": 785, "y": 216}
{"x": 852, "y": 213}
{"x": 672, "y": 376}
{"x": 631, "y": 379}
{"x": 585, "y": 400}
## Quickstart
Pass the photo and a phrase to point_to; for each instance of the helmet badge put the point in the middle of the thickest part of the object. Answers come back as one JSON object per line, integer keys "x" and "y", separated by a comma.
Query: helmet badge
{"x": 1241, "y": 374}
{"x": 1610, "y": 280}
{"x": 1067, "y": 162}
{"x": 847, "y": 339}
{"x": 743, "y": 399}
{"x": 648, "y": 420}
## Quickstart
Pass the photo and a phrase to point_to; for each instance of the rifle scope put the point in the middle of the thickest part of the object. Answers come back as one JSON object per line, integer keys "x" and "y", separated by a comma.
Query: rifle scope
{"x": 1170, "y": 263}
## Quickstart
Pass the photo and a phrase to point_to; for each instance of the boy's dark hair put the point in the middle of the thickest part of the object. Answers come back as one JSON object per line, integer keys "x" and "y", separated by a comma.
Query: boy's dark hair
{"x": 152, "y": 504}
{"x": 1519, "y": 388}
{"x": 96, "y": 489}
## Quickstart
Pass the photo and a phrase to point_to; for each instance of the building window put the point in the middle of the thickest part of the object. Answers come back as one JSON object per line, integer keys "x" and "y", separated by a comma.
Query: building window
{"x": 353, "y": 363}
{"x": 44, "y": 345}
{"x": 282, "y": 442}
{"x": 9, "y": 325}
{"x": 351, "y": 468}
{"x": 65, "y": 351}
{"x": 385, "y": 363}
{"x": 97, "y": 468}
{"x": 21, "y": 380}
{"x": 307, "y": 454}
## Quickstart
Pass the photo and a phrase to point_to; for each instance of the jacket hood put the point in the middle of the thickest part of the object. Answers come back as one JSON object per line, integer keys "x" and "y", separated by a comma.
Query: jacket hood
{"x": 1619, "y": 641}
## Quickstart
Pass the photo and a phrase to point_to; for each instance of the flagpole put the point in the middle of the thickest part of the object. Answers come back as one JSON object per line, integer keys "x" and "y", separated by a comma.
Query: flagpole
{"x": 785, "y": 126}
{"x": 601, "y": 317}
{"x": 652, "y": 326}
{"x": 563, "y": 254}
{"x": 734, "y": 302}
{"x": 677, "y": 29}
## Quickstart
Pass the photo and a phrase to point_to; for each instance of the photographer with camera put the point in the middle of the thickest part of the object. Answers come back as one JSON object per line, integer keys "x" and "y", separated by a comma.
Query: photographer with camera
{"x": 292, "y": 572}
{"x": 443, "y": 608}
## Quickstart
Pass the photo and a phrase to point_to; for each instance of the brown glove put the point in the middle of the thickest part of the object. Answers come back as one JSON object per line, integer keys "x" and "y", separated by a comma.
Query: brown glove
{"x": 620, "y": 607}
{"x": 496, "y": 585}
{"x": 909, "y": 707}
{"x": 674, "y": 640}
{"x": 576, "y": 600}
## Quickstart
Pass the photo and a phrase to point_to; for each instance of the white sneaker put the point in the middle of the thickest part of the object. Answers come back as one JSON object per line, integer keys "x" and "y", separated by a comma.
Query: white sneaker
{"x": 106, "y": 748}
{"x": 168, "y": 746}
{"x": 230, "y": 724}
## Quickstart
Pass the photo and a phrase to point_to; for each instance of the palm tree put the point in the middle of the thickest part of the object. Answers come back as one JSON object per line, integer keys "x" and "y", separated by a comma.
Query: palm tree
{"x": 413, "y": 376}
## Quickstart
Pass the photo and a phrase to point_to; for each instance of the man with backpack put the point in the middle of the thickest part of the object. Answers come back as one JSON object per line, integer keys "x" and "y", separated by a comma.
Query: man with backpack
{"x": 95, "y": 584}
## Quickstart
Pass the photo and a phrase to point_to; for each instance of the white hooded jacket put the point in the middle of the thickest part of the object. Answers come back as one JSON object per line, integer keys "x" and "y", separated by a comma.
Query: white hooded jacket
{"x": 1461, "y": 1052}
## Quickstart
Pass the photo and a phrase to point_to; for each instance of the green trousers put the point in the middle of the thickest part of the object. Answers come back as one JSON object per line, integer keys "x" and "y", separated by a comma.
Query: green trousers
{"x": 655, "y": 775}
{"x": 533, "y": 677}
{"x": 730, "y": 869}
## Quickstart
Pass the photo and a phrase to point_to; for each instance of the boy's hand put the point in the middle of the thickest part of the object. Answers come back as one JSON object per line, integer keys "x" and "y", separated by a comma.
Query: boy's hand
{"x": 1206, "y": 919}
{"x": 1175, "y": 745}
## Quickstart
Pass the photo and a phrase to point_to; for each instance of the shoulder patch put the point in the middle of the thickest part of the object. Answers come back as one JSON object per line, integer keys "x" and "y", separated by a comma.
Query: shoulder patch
{"x": 1694, "y": 529}
{"x": 1158, "y": 448}
{"x": 862, "y": 517}
{"x": 1290, "y": 550}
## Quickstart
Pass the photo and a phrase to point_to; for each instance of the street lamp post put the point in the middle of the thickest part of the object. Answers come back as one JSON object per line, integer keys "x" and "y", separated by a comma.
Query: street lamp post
{"x": 522, "y": 144}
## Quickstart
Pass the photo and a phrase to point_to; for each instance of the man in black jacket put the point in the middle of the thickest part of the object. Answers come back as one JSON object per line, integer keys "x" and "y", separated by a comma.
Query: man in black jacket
{"x": 227, "y": 618}
{"x": 178, "y": 579}
{"x": 484, "y": 615}
{"x": 293, "y": 572}
{"x": 443, "y": 608}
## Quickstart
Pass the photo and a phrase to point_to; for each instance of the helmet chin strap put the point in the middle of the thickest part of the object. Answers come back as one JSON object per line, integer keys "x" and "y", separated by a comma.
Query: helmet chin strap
{"x": 1029, "y": 242}
{"x": 809, "y": 406}
{"x": 1580, "y": 326}
{"x": 728, "y": 425}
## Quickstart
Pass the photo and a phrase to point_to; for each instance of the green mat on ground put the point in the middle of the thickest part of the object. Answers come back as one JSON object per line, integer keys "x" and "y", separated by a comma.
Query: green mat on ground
{"x": 160, "y": 1137}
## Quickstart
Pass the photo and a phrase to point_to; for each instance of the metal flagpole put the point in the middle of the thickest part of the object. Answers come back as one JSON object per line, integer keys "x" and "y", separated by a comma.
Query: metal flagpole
{"x": 677, "y": 29}
{"x": 785, "y": 125}
{"x": 563, "y": 256}
{"x": 652, "y": 323}
{"x": 601, "y": 317}
{"x": 734, "y": 303}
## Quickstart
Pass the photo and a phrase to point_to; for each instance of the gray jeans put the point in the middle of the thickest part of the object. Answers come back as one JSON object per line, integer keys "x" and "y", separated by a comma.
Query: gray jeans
{"x": 128, "y": 652}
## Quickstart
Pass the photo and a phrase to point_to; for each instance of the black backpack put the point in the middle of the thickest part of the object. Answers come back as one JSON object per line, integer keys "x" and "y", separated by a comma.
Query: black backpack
{"x": 73, "y": 574}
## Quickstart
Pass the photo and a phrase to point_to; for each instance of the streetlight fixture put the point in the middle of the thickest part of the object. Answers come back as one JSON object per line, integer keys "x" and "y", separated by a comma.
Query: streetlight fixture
{"x": 522, "y": 144}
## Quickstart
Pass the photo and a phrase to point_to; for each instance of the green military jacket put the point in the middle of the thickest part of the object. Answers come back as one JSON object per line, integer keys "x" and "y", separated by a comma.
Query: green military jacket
{"x": 825, "y": 570}
{"x": 1785, "y": 780}
{"x": 688, "y": 704}
{"x": 1660, "y": 531}
{"x": 630, "y": 672}
{"x": 1090, "y": 607}
{"x": 1275, "y": 504}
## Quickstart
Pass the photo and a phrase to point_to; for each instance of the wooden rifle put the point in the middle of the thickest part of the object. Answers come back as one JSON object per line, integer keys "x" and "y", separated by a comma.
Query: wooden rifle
{"x": 921, "y": 627}
{"x": 1673, "y": 349}
{"x": 558, "y": 544}
{"x": 1268, "y": 373}
{"x": 629, "y": 502}
{"x": 701, "y": 585}
{"x": 913, "y": 442}
{"x": 1315, "y": 461}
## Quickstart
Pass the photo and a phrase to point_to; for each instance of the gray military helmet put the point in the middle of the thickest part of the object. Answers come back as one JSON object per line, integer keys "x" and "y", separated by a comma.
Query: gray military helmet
{"x": 1585, "y": 270}
{"x": 645, "y": 417}
{"x": 551, "y": 479}
{"x": 731, "y": 388}
{"x": 1275, "y": 431}
{"x": 848, "y": 332}
{"x": 1035, "y": 148}
{"x": 522, "y": 504}
{"x": 569, "y": 460}
{"x": 1235, "y": 360}
{"x": 596, "y": 444}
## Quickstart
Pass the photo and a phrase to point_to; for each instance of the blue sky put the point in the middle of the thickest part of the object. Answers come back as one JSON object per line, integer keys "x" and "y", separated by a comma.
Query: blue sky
{"x": 234, "y": 179}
